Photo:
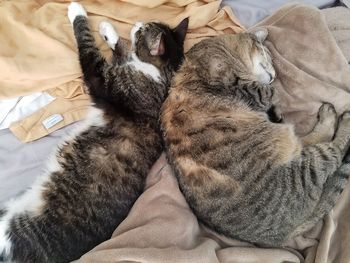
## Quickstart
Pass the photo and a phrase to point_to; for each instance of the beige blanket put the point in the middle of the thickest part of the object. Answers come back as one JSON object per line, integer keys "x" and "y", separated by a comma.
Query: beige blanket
{"x": 161, "y": 227}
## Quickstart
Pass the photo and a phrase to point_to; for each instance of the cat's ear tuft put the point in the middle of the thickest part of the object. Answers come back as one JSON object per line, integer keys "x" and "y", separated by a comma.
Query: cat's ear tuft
{"x": 260, "y": 33}
{"x": 157, "y": 47}
{"x": 181, "y": 30}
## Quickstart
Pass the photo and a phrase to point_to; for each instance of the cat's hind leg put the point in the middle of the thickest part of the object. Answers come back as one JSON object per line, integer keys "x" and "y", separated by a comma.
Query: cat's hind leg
{"x": 323, "y": 174}
{"x": 332, "y": 189}
{"x": 324, "y": 128}
{"x": 109, "y": 34}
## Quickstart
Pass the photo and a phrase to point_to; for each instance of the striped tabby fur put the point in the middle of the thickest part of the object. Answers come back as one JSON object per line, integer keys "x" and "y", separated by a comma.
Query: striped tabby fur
{"x": 243, "y": 175}
{"x": 96, "y": 176}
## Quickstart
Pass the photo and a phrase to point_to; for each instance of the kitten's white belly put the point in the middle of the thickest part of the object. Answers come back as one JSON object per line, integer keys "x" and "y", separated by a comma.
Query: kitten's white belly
{"x": 31, "y": 201}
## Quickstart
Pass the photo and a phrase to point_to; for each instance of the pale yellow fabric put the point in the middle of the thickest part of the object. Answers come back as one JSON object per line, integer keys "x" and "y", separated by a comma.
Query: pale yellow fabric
{"x": 38, "y": 50}
{"x": 71, "y": 102}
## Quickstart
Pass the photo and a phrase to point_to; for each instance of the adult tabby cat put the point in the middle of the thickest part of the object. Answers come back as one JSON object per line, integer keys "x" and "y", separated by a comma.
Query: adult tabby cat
{"x": 243, "y": 175}
{"x": 96, "y": 176}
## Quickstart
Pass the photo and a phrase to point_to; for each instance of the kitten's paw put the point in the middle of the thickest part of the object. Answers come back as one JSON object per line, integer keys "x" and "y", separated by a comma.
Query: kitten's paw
{"x": 108, "y": 33}
{"x": 74, "y": 10}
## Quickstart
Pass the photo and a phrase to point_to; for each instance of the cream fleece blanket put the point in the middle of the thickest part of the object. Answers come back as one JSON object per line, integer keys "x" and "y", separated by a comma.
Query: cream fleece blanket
{"x": 161, "y": 227}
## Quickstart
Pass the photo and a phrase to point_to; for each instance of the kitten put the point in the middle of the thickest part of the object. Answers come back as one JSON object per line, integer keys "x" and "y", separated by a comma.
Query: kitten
{"x": 96, "y": 176}
{"x": 243, "y": 175}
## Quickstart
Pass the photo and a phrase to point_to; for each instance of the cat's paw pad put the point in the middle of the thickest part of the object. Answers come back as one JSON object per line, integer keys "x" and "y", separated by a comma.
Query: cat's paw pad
{"x": 74, "y": 10}
{"x": 108, "y": 33}
{"x": 327, "y": 113}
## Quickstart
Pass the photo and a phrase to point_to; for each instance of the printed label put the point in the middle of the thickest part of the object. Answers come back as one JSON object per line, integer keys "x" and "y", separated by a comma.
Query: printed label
{"x": 52, "y": 120}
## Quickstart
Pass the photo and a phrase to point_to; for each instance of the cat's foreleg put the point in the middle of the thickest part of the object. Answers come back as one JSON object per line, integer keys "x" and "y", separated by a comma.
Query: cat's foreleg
{"x": 109, "y": 34}
{"x": 258, "y": 96}
{"x": 93, "y": 64}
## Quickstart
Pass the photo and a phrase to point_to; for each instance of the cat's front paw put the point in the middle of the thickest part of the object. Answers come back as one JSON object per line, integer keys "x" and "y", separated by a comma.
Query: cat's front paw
{"x": 74, "y": 10}
{"x": 108, "y": 33}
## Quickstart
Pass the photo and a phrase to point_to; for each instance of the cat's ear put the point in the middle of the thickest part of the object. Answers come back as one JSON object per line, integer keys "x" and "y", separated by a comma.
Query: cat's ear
{"x": 157, "y": 47}
{"x": 260, "y": 33}
{"x": 181, "y": 30}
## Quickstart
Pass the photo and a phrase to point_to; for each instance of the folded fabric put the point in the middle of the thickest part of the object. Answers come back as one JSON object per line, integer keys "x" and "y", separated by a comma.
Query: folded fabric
{"x": 38, "y": 50}
{"x": 161, "y": 227}
{"x": 18, "y": 108}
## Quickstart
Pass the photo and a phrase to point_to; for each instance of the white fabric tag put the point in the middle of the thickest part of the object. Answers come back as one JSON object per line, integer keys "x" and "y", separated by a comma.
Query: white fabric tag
{"x": 12, "y": 110}
{"x": 52, "y": 120}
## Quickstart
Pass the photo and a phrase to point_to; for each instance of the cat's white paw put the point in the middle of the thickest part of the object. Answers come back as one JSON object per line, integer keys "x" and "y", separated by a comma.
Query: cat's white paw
{"x": 108, "y": 33}
{"x": 74, "y": 10}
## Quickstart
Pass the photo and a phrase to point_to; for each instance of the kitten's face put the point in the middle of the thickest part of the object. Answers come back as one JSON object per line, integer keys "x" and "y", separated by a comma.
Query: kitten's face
{"x": 157, "y": 44}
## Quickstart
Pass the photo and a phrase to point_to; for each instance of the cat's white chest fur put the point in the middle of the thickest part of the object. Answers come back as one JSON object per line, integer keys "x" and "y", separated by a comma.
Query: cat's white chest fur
{"x": 145, "y": 68}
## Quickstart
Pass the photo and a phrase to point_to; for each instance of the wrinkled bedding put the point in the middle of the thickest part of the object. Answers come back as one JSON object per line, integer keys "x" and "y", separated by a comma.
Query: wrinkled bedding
{"x": 162, "y": 228}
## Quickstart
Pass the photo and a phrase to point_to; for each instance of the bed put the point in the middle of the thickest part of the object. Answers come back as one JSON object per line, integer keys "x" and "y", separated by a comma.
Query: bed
{"x": 140, "y": 238}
